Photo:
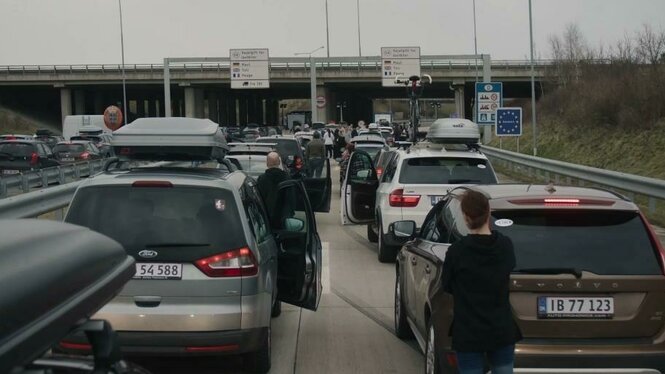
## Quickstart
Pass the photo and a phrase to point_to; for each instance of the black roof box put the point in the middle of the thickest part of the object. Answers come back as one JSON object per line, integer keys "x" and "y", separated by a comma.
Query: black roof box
{"x": 54, "y": 275}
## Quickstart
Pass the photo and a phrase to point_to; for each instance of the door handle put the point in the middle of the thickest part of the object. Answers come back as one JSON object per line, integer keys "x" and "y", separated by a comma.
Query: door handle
{"x": 147, "y": 301}
{"x": 427, "y": 269}
{"x": 413, "y": 260}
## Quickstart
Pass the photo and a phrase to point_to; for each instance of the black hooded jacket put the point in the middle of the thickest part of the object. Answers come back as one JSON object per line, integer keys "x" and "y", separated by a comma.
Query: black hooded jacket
{"x": 476, "y": 271}
{"x": 277, "y": 205}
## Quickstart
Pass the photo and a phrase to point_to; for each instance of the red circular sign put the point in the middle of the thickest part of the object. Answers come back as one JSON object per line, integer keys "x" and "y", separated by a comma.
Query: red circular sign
{"x": 113, "y": 117}
{"x": 320, "y": 101}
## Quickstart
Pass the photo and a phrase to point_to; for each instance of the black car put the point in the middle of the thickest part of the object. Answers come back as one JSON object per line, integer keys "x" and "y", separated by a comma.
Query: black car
{"x": 102, "y": 142}
{"x": 23, "y": 155}
{"x": 290, "y": 151}
{"x": 76, "y": 151}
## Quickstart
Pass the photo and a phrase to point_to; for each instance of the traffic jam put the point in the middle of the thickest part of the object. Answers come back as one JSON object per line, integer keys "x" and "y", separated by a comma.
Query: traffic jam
{"x": 199, "y": 243}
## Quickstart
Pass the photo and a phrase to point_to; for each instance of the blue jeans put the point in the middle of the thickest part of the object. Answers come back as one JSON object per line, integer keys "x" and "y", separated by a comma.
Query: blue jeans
{"x": 501, "y": 361}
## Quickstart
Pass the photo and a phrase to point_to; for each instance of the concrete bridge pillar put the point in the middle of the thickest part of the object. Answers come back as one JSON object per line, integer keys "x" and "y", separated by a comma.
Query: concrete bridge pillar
{"x": 79, "y": 102}
{"x": 65, "y": 103}
{"x": 242, "y": 110}
{"x": 193, "y": 102}
{"x": 213, "y": 112}
{"x": 458, "y": 86}
{"x": 98, "y": 103}
{"x": 327, "y": 112}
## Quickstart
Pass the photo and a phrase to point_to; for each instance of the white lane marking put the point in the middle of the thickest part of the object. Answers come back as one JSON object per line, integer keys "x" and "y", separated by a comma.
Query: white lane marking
{"x": 325, "y": 272}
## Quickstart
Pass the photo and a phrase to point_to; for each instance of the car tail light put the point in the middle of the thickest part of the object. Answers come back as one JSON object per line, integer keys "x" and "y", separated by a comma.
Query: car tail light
{"x": 451, "y": 357}
{"x": 298, "y": 162}
{"x": 379, "y": 171}
{"x": 34, "y": 159}
{"x": 85, "y": 155}
{"x": 655, "y": 241}
{"x": 235, "y": 263}
{"x": 75, "y": 346}
{"x": 398, "y": 199}
{"x": 158, "y": 184}
{"x": 125, "y": 151}
{"x": 571, "y": 202}
{"x": 213, "y": 348}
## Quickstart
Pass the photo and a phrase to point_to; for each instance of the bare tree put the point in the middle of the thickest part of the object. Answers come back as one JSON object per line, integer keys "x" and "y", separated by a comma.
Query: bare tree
{"x": 650, "y": 44}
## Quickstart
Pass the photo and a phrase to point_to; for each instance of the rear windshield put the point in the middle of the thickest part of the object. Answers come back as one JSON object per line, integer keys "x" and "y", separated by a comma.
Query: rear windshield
{"x": 372, "y": 151}
{"x": 16, "y": 149}
{"x": 285, "y": 147}
{"x": 68, "y": 148}
{"x": 602, "y": 242}
{"x": 254, "y": 166}
{"x": 141, "y": 217}
{"x": 446, "y": 170}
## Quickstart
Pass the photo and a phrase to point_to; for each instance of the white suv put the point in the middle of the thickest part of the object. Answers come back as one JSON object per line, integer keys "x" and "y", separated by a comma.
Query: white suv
{"x": 414, "y": 180}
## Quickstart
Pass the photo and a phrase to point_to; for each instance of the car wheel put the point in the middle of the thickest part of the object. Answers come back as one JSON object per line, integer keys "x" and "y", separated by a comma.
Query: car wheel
{"x": 402, "y": 329}
{"x": 387, "y": 253}
{"x": 259, "y": 361}
{"x": 371, "y": 235}
{"x": 432, "y": 362}
{"x": 276, "y": 309}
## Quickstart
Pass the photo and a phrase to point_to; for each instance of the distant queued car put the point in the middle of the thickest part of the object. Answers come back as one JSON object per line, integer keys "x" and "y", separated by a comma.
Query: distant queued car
{"x": 102, "y": 142}
{"x": 15, "y": 137}
{"x": 76, "y": 151}
{"x": 17, "y": 156}
{"x": 290, "y": 151}
{"x": 48, "y": 137}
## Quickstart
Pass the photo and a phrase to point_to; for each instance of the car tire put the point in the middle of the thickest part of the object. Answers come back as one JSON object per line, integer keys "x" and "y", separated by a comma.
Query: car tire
{"x": 259, "y": 361}
{"x": 432, "y": 357}
{"x": 387, "y": 253}
{"x": 371, "y": 235}
{"x": 402, "y": 329}
{"x": 276, "y": 309}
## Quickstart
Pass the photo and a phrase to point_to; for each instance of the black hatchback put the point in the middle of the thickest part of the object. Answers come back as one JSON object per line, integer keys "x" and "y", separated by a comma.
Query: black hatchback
{"x": 17, "y": 156}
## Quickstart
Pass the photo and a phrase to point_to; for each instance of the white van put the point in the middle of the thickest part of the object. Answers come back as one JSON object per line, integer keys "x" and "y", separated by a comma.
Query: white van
{"x": 72, "y": 124}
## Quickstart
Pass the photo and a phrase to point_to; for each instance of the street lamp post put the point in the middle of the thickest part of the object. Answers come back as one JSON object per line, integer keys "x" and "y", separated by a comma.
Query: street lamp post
{"x": 282, "y": 106}
{"x": 122, "y": 51}
{"x": 341, "y": 107}
{"x": 533, "y": 86}
{"x": 436, "y": 105}
{"x": 358, "y": 13}
{"x": 475, "y": 40}
{"x": 312, "y": 81}
{"x": 327, "y": 33}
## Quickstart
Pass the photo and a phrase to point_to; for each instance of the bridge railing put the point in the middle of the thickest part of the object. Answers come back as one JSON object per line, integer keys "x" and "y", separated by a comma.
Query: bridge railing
{"x": 635, "y": 187}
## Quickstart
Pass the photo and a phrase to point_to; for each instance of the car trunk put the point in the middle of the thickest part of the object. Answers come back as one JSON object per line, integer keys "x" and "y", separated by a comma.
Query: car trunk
{"x": 168, "y": 230}
{"x": 583, "y": 275}
{"x": 69, "y": 152}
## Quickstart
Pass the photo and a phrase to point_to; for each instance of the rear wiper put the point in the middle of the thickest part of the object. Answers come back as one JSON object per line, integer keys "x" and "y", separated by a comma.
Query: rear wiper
{"x": 551, "y": 271}
{"x": 460, "y": 181}
{"x": 176, "y": 245}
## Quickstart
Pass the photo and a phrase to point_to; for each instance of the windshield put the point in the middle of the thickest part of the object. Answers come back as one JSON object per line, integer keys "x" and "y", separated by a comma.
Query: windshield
{"x": 254, "y": 165}
{"x": 287, "y": 148}
{"x": 16, "y": 149}
{"x": 446, "y": 170}
{"x": 72, "y": 148}
{"x": 602, "y": 242}
{"x": 373, "y": 151}
{"x": 136, "y": 216}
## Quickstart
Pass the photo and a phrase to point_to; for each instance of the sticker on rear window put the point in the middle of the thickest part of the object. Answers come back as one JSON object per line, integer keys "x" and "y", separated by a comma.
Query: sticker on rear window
{"x": 481, "y": 166}
{"x": 220, "y": 204}
{"x": 504, "y": 222}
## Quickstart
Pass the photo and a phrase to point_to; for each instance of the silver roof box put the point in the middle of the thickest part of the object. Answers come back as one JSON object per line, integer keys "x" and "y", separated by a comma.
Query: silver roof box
{"x": 453, "y": 131}
{"x": 170, "y": 139}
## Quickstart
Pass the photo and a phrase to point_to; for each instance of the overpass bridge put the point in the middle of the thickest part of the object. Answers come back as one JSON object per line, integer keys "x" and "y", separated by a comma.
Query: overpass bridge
{"x": 200, "y": 87}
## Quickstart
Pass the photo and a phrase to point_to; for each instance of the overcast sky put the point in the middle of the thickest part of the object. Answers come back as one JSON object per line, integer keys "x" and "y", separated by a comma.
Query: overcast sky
{"x": 87, "y": 31}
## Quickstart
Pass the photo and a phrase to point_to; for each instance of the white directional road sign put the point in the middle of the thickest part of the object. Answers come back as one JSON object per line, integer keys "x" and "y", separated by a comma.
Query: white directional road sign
{"x": 250, "y": 68}
{"x": 399, "y": 62}
{"x": 489, "y": 98}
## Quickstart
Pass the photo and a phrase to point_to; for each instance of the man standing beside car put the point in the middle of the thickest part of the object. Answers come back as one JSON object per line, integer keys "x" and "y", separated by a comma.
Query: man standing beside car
{"x": 476, "y": 271}
{"x": 315, "y": 154}
{"x": 267, "y": 184}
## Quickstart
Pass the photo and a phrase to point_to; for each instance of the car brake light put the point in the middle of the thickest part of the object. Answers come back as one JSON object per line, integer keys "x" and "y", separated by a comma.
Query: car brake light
{"x": 213, "y": 348}
{"x": 125, "y": 151}
{"x": 379, "y": 171}
{"x": 235, "y": 263}
{"x": 159, "y": 184}
{"x": 562, "y": 202}
{"x": 85, "y": 155}
{"x": 451, "y": 357}
{"x": 655, "y": 241}
{"x": 75, "y": 346}
{"x": 298, "y": 162}
{"x": 398, "y": 199}
{"x": 34, "y": 158}
{"x": 10, "y": 138}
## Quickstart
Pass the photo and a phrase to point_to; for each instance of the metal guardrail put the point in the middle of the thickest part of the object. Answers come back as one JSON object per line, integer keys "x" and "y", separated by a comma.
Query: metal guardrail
{"x": 553, "y": 170}
{"x": 24, "y": 182}
{"x": 39, "y": 202}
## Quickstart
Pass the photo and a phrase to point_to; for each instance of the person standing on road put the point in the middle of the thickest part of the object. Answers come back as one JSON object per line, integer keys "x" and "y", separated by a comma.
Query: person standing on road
{"x": 315, "y": 154}
{"x": 476, "y": 272}
{"x": 267, "y": 184}
{"x": 328, "y": 139}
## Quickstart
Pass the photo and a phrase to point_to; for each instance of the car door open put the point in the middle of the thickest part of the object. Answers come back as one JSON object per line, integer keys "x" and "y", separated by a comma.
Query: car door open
{"x": 359, "y": 190}
{"x": 319, "y": 189}
{"x": 299, "y": 257}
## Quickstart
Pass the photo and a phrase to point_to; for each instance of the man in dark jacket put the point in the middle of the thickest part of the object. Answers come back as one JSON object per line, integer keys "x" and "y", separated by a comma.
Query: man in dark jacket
{"x": 278, "y": 207}
{"x": 476, "y": 271}
{"x": 315, "y": 153}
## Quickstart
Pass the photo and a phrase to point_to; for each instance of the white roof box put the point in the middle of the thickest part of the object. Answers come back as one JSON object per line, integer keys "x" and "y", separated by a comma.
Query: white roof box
{"x": 453, "y": 131}
{"x": 170, "y": 139}
{"x": 90, "y": 130}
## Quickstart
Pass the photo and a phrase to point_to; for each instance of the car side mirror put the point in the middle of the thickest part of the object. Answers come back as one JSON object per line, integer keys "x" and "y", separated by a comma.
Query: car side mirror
{"x": 294, "y": 224}
{"x": 402, "y": 231}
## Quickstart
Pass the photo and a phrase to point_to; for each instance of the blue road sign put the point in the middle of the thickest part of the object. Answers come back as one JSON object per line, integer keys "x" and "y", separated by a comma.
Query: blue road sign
{"x": 509, "y": 122}
{"x": 489, "y": 98}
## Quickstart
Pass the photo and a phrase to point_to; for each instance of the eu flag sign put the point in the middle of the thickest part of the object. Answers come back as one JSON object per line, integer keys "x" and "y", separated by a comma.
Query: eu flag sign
{"x": 509, "y": 122}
